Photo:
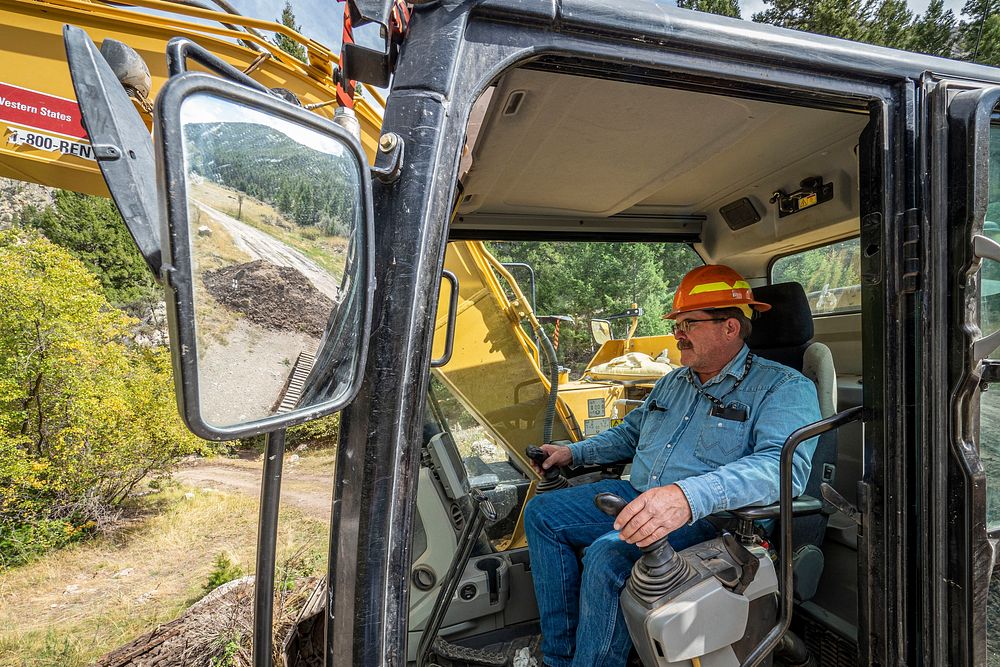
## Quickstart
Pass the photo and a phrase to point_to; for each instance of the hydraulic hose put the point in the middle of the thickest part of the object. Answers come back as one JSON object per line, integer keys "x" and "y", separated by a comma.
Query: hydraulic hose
{"x": 550, "y": 406}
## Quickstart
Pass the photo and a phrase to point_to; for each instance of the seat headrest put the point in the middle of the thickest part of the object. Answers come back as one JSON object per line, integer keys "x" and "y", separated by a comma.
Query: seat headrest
{"x": 789, "y": 323}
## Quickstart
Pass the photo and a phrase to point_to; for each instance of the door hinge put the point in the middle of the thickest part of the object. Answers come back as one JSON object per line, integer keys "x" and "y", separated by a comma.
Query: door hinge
{"x": 910, "y": 278}
{"x": 989, "y": 373}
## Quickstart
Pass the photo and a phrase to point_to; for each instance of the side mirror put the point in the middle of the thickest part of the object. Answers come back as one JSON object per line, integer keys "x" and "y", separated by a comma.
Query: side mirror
{"x": 601, "y": 331}
{"x": 267, "y": 251}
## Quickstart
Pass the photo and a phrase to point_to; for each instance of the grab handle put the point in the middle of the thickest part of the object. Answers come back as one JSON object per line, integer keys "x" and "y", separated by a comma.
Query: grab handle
{"x": 449, "y": 339}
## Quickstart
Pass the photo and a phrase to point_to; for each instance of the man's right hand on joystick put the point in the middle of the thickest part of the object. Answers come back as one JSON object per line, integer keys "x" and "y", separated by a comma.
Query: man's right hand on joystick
{"x": 548, "y": 457}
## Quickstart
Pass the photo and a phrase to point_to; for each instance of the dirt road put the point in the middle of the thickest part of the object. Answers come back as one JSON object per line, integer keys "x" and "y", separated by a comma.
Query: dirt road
{"x": 306, "y": 483}
{"x": 259, "y": 245}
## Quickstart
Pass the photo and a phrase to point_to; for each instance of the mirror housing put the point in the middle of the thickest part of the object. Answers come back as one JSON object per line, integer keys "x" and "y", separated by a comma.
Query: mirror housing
{"x": 600, "y": 330}
{"x": 269, "y": 309}
{"x": 120, "y": 139}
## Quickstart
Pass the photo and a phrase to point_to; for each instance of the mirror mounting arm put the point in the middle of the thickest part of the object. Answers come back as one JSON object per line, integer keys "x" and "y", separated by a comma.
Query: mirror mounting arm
{"x": 179, "y": 49}
{"x": 389, "y": 159}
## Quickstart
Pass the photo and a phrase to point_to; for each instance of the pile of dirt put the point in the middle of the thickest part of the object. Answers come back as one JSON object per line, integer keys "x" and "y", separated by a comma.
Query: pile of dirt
{"x": 275, "y": 297}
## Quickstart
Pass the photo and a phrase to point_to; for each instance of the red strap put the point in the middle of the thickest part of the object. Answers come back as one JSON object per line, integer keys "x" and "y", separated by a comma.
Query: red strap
{"x": 345, "y": 89}
{"x": 399, "y": 23}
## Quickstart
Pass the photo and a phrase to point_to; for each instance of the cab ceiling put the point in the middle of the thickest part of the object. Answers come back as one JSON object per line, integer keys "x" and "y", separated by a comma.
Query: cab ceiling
{"x": 552, "y": 149}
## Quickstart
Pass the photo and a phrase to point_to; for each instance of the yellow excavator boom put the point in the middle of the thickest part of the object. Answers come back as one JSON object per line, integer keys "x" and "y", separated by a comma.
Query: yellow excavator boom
{"x": 41, "y": 139}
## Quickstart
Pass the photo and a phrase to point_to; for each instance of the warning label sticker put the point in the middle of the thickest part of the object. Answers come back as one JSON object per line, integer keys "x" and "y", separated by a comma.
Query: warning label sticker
{"x": 40, "y": 111}
{"x": 46, "y": 142}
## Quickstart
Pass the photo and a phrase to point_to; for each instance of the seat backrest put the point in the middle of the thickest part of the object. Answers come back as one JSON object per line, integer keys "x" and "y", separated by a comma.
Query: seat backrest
{"x": 784, "y": 334}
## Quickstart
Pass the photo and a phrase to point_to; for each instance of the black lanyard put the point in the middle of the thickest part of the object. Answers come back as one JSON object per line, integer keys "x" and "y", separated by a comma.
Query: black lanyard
{"x": 719, "y": 408}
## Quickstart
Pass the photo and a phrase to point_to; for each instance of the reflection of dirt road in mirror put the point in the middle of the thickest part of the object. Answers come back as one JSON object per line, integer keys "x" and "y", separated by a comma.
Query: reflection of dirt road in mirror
{"x": 259, "y": 245}
{"x": 243, "y": 379}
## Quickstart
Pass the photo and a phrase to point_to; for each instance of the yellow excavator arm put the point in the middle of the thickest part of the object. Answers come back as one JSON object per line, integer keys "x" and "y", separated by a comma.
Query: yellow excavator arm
{"x": 41, "y": 139}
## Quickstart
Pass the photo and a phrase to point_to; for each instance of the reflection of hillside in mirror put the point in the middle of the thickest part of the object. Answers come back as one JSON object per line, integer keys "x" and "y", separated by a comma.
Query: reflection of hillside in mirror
{"x": 272, "y": 213}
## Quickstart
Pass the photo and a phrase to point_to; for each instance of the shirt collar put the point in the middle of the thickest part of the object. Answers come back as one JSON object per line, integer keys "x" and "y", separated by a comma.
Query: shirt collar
{"x": 735, "y": 369}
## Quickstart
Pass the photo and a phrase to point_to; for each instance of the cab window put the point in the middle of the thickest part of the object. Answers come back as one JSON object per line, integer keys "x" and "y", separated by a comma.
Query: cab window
{"x": 830, "y": 274}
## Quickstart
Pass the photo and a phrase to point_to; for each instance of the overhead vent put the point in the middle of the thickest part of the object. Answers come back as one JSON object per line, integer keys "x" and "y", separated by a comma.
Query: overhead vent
{"x": 739, "y": 214}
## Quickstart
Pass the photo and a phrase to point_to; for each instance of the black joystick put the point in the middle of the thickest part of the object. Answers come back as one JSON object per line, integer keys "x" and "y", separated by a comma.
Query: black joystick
{"x": 659, "y": 569}
{"x": 552, "y": 479}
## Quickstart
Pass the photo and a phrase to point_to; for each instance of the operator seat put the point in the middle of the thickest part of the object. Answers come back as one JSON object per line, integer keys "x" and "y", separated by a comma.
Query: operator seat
{"x": 784, "y": 334}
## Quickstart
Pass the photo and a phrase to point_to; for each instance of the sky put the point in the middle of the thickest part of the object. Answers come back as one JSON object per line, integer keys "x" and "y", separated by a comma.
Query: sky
{"x": 321, "y": 19}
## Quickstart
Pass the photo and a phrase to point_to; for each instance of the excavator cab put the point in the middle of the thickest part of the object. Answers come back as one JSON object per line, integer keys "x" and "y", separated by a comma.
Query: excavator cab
{"x": 758, "y": 152}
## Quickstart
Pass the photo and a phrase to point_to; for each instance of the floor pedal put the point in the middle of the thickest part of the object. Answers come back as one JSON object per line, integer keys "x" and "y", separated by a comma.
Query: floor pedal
{"x": 473, "y": 656}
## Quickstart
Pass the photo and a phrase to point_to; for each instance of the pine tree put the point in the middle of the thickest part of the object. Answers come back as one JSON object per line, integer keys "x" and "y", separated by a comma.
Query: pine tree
{"x": 287, "y": 44}
{"x": 93, "y": 231}
{"x": 989, "y": 43}
{"x": 934, "y": 31}
{"x": 721, "y": 7}
{"x": 848, "y": 19}
{"x": 890, "y": 25}
{"x": 979, "y": 37}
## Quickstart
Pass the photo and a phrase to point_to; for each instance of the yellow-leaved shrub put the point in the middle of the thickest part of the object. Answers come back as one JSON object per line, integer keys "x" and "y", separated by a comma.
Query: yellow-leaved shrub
{"x": 85, "y": 415}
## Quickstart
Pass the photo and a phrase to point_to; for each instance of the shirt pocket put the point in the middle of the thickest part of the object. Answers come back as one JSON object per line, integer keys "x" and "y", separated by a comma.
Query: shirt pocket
{"x": 651, "y": 425}
{"x": 722, "y": 441}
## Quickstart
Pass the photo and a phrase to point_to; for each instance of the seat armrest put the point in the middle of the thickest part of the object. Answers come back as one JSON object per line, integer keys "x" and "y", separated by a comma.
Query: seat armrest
{"x": 801, "y": 506}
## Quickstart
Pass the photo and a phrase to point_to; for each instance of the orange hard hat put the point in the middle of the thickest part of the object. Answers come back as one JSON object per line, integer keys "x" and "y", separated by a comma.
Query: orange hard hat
{"x": 714, "y": 286}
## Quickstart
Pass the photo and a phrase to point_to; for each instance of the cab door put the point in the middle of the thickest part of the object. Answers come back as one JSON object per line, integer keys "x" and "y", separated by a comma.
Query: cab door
{"x": 963, "y": 413}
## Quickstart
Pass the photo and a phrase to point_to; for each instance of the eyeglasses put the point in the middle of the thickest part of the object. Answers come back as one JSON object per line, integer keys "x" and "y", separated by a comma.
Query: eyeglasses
{"x": 685, "y": 326}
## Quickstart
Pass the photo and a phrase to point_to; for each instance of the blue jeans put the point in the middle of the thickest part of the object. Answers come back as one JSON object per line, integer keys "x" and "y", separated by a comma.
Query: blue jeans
{"x": 581, "y": 619}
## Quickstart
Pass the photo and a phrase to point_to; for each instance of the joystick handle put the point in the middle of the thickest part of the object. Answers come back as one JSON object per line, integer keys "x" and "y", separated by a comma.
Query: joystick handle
{"x": 538, "y": 455}
{"x": 552, "y": 479}
{"x": 659, "y": 569}
{"x": 657, "y": 553}
{"x": 609, "y": 503}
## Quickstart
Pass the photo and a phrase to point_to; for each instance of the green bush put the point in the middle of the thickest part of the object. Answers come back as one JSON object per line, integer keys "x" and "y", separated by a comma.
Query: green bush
{"x": 84, "y": 416}
{"x": 223, "y": 571}
{"x": 318, "y": 434}
{"x": 20, "y": 544}
{"x": 230, "y": 654}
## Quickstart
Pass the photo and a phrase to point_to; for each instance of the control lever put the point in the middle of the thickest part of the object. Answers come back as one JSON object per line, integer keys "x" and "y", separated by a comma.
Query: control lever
{"x": 552, "y": 479}
{"x": 483, "y": 512}
{"x": 747, "y": 563}
{"x": 659, "y": 569}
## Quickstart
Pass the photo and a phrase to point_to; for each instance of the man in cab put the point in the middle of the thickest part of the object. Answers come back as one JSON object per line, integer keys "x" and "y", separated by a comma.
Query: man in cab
{"x": 707, "y": 438}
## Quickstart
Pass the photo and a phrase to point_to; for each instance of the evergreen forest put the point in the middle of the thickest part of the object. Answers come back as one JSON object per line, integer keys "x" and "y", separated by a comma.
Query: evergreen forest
{"x": 309, "y": 187}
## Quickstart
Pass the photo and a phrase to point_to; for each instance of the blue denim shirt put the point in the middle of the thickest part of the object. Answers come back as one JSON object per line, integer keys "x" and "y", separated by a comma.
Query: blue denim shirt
{"x": 718, "y": 463}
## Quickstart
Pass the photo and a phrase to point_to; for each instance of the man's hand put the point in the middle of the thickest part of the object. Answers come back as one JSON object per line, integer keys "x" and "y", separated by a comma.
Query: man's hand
{"x": 654, "y": 514}
{"x": 558, "y": 455}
